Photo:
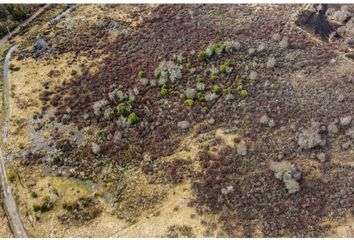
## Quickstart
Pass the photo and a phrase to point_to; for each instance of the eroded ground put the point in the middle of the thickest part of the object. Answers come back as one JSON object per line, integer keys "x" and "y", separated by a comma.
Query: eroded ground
{"x": 182, "y": 120}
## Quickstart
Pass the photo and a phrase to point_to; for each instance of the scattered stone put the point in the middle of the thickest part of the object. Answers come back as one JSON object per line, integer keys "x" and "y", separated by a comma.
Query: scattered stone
{"x": 264, "y": 119}
{"x": 242, "y": 149}
{"x": 340, "y": 98}
{"x": 345, "y": 121}
{"x": 271, "y": 123}
{"x": 310, "y": 138}
{"x": 183, "y": 124}
{"x": 227, "y": 190}
{"x": 40, "y": 45}
{"x": 350, "y": 133}
{"x": 332, "y": 128}
{"x": 190, "y": 93}
{"x": 211, "y": 121}
{"x": 95, "y": 148}
{"x": 345, "y": 146}
{"x": 229, "y": 97}
{"x": 321, "y": 157}
{"x": 288, "y": 173}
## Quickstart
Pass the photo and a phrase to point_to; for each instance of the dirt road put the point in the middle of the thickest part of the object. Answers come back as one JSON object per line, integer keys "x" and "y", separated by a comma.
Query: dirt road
{"x": 9, "y": 201}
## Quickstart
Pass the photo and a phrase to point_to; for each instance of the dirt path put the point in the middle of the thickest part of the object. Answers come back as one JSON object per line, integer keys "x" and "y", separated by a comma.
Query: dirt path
{"x": 9, "y": 201}
{"x": 5, "y": 120}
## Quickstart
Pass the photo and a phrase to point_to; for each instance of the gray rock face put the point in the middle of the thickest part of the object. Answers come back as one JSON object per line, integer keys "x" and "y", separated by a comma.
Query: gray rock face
{"x": 288, "y": 173}
{"x": 345, "y": 121}
{"x": 321, "y": 157}
{"x": 332, "y": 128}
{"x": 310, "y": 138}
{"x": 95, "y": 148}
{"x": 40, "y": 45}
{"x": 242, "y": 149}
{"x": 264, "y": 119}
{"x": 350, "y": 133}
{"x": 190, "y": 93}
{"x": 342, "y": 15}
{"x": 183, "y": 124}
{"x": 345, "y": 146}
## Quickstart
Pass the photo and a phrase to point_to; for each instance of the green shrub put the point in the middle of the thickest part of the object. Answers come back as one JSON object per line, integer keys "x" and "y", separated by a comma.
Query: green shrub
{"x": 200, "y": 97}
{"x": 11, "y": 176}
{"x": 244, "y": 93}
{"x": 200, "y": 79}
{"x": 222, "y": 68}
{"x": 34, "y": 194}
{"x": 189, "y": 102}
{"x": 227, "y": 90}
{"x": 133, "y": 118}
{"x": 110, "y": 115}
{"x": 213, "y": 77}
{"x": 157, "y": 73}
{"x": 202, "y": 56}
{"x": 189, "y": 65}
{"x": 141, "y": 74}
{"x": 36, "y": 207}
{"x": 45, "y": 205}
{"x": 122, "y": 109}
{"x": 216, "y": 89}
{"x": 164, "y": 90}
{"x": 99, "y": 133}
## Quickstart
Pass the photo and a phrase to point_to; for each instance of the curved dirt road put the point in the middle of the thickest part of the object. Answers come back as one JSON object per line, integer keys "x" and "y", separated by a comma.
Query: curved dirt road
{"x": 9, "y": 201}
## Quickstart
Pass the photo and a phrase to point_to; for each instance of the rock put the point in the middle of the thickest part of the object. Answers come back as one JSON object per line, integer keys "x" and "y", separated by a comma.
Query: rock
{"x": 345, "y": 121}
{"x": 229, "y": 97}
{"x": 40, "y": 45}
{"x": 264, "y": 119}
{"x": 332, "y": 129}
{"x": 95, "y": 148}
{"x": 342, "y": 15}
{"x": 227, "y": 190}
{"x": 292, "y": 186}
{"x": 323, "y": 129}
{"x": 183, "y": 124}
{"x": 345, "y": 146}
{"x": 271, "y": 123}
{"x": 211, "y": 121}
{"x": 24, "y": 54}
{"x": 340, "y": 98}
{"x": 288, "y": 173}
{"x": 242, "y": 149}
{"x": 117, "y": 136}
{"x": 309, "y": 139}
{"x": 321, "y": 157}
{"x": 350, "y": 133}
{"x": 190, "y": 93}
{"x": 31, "y": 183}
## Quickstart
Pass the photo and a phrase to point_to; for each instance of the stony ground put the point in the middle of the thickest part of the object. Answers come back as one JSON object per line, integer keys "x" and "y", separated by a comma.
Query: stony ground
{"x": 242, "y": 105}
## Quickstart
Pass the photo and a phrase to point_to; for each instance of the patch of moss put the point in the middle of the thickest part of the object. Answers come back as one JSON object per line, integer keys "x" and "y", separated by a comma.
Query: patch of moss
{"x": 227, "y": 90}
{"x": 189, "y": 102}
{"x": 216, "y": 89}
{"x": 141, "y": 74}
{"x": 11, "y": 176}
{"x": 200, "y": 97}
{"x": 164, "y": 90}
{"x": 34, "y": 194}
{"x": 244, "y": 93}
{"x": 213, "y": 77}
{"x": 122, "y": 109}
{"x": 133, "y": 118}
{"x": 202, "y": 56}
